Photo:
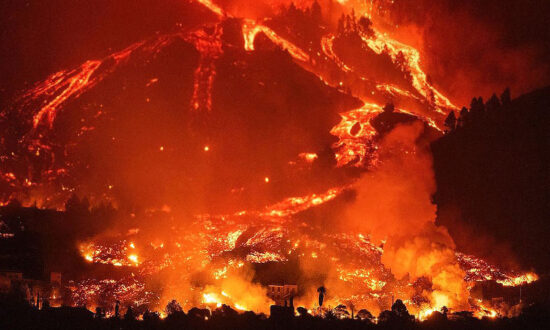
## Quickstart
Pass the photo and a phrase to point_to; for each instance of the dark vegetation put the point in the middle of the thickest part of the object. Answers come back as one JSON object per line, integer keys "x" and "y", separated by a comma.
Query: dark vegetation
{"x": 18, "y": 315}
{"x": 36, "y": 241}
{"x": 492, "y": 178}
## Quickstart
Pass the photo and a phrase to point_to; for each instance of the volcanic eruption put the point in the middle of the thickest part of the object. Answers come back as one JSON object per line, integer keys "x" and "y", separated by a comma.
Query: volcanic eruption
{"x": 257, "y": 146}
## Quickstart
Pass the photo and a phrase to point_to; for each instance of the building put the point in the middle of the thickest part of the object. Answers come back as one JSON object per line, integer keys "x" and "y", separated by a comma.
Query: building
{"x": 282, "y": 295}
{"x": 36, "y": 292}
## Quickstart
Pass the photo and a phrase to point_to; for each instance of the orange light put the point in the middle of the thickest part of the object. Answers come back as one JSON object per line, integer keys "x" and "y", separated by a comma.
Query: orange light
{"x": 266, "y": 179}
{"x": 161, "y": 148}
{"x": 133, "y": 258}
{"x": 206, "y": 148}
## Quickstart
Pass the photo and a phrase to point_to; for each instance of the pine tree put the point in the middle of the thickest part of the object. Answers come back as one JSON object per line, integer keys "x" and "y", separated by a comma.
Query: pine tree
{"x": 505, "y": 97}
{"x": 316, "y": 13}
{"x": 463, "y": 117}
{"x": 450, "y": 122}
{"x": 493, "y": 105}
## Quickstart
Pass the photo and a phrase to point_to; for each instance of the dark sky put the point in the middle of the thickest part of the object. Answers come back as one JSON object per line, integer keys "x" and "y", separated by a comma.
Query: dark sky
{"x": 470, "y": 47}
{"x": 474, "y": 47}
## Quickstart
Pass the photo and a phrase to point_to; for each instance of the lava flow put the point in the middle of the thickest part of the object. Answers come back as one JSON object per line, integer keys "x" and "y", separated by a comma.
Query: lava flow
{"x": 367, "y": 233}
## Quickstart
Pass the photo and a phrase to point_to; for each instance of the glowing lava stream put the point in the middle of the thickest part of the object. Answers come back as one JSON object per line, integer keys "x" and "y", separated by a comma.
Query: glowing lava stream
{"x": 210, "y": 49}
{"x": 251, "y": 29}
{"x": 70, "y": 84}
{"x": 381, "y": 42}
{"x": 354, "y": 131}
{"x": 74, "y": 82}
{"x": 327, "y": 45}
{"x": 351, "y": 145}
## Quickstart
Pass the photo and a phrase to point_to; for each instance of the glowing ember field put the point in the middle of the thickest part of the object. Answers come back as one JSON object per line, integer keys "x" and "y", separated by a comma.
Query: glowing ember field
{"x": 365, "y": 237}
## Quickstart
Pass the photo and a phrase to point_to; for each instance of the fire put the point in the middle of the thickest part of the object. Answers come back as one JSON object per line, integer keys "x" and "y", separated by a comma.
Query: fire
{"x": 240, "y": 307}
{"x": 308, "y": 156}
{"x": 210, "y": 48}
{"x": 354, "y": 133}
{"x": 213, "y": 7}
{"x": 519, "y": 280}
{"x": 133, "y": 258}
{"x": 211, "y": 298}
{"x": 484, "y": 311}
{"x": 382, "y": 42}
{"x": 425, "y": 313}
{"x": 251, "y": 29}
{"x": 70, "y": 83}
{"x": 222, "y": 246}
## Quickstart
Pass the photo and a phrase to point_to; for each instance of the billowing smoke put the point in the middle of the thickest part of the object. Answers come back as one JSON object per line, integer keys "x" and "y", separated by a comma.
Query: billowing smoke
{"x": 394, "y": 204}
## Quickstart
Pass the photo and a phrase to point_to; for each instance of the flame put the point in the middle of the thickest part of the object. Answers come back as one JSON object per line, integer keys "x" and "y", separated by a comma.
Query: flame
{"x": 308, "y": 156}
{"x": 351, "y": 146}
{"x": 251, "y": 29}
{"x": 519, "y": 279}
{"x": 200, "y": 245}
{"x": 382, "y": 42}
{"x": 425, "y": 313}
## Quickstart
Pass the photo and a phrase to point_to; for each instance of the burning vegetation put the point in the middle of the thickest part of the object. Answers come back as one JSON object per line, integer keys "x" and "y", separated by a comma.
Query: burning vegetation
{"x": 221, "y": 158}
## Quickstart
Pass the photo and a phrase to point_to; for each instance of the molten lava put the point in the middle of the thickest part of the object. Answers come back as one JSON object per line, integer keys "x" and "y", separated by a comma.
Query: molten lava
{"x": 206, "y": 260}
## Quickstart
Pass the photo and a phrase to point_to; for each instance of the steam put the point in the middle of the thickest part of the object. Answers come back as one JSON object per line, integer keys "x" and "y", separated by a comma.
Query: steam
{"x": 394, "y": 204}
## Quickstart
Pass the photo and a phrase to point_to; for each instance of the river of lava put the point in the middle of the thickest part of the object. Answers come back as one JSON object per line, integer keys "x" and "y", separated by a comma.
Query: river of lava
{"x": 208, "y": 261}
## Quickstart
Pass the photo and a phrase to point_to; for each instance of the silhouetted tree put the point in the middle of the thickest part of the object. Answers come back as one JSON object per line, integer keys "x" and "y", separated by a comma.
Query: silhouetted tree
{"x": 477, "y": 108}
{"x": 302, "y": 311}
{"x": 389, "y": 108}
{"x": 463, "y": 118}
{"x": 505, "y": 97}
{"x": 224, "y": 311}
{"x": 129, "y": 316}
{"x": 351, "y": 306}
{"x": 341, "y": 28}
{"x": 365, "y": 26}
{"x": 198, "y": 313}
{"x": 316, "y": 14}
{"x": 341, "y": 311}
{"x": 353, "y": 21}
{"x": 322, "y": 291}
{"x": 400, "y": 309}
{"x": 493, "y": 104}
{"x": 401, "y": 62}
{"x": 99, "y": 313}
{"x": 450, "y": 122}
{"x": 173, "y": 307}
{"x": 151, "y": 317}
{"x": 330, "y": 315}
{"x": 365, "y": 315}
{"x": 437, "y": 317}
{"x": 385, "y": 316}
{"x": 14, "y": 203}
{"x": 76, "y": 206}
